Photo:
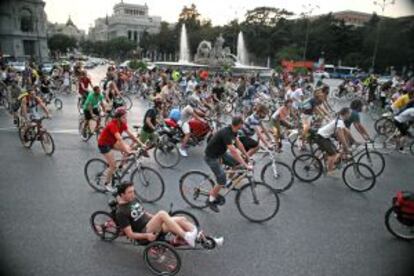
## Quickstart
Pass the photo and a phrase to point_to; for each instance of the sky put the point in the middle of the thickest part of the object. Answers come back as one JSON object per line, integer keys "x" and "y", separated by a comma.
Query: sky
{"x": 84, "y": 12}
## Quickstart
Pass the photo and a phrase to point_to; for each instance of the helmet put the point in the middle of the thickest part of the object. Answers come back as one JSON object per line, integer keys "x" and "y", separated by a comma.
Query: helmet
{"x": 175, "y": 114}
{"x": 119, "y": 112}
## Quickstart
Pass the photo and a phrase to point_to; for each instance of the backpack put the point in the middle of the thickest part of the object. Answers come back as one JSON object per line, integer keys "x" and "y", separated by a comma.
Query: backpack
{"x": 403, "y": 204}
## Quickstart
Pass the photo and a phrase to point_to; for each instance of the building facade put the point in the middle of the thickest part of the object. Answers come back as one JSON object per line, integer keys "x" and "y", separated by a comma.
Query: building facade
{"x": 352, "y": 18}
{"x": 68, "y": 29}
{"x": 128, "y": 20}
{"x": 23, "y": 25}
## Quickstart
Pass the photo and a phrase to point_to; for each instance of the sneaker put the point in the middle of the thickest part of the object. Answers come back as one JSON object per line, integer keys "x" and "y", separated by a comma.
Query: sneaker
{"x": 213, "y": 206}
{"x": 183, "y": 152}
{"x": 190, "y": 238}
{"x": 110, "y": 189}
{"x": 219, "y": 241}
{"x": 402, "y": 151}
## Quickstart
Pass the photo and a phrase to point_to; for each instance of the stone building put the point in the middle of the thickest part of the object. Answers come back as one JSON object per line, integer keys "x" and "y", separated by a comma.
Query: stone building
{"x": 128, "y": 20}
{"x": 69, "y": 29}
{"x": 23, "y": 26}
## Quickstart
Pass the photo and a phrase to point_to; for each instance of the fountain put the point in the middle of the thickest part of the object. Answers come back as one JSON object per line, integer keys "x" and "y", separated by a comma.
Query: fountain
{"x": 242, "y": 57}
{"x": 184, "y": 51}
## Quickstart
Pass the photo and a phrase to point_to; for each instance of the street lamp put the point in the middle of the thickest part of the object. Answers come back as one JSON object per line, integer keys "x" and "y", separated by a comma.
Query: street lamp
{"x": 309, "y": 9}
{"x": 382, "y": 4}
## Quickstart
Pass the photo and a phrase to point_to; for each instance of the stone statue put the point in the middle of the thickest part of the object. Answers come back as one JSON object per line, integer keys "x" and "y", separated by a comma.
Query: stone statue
{"x": 214, "y": 56}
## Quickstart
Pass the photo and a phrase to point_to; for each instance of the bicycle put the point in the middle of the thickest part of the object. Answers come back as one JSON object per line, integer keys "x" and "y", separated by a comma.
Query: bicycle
{"x": 275, "y": 173}
{"x": 160, "y": 256}
{"x": 147, "y": 181}
{"x": 50, "y": 97}
{"x": 85, "y": 132}
{"x": 398, "y": 221}
{"x": 310, "y": 167}
{"x": 196, "y": 193}
{"x": 34, "y": 131}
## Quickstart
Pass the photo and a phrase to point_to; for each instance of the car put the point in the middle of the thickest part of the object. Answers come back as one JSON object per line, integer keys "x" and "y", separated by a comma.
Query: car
{"x": 384, "y": 79}
{"x": 89, "y": 65}
{"x": 19, "y": 66}
{"x": 321, "y": 74}
{"x": 47, "y": 68}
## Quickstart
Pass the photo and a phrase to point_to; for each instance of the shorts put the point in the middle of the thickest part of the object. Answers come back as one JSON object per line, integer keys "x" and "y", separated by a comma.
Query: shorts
{"x": 147, "y": 136}
{"x": 248, "y": 143}
{"x": 217, "y": 169}
{"x": 326, "y": 145}
{"x": 88, "y": 115}
{"x": 104, "y": 149}
{"x": 402, "y": 127}
{"x": 185, "y": 127}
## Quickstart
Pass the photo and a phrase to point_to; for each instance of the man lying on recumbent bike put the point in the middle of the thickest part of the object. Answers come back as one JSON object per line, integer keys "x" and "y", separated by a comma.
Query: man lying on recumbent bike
{"x": 138, "y": 224}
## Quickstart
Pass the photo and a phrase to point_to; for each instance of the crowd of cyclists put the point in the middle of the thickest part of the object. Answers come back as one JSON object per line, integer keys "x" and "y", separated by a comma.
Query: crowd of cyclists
{"x": 249, "y": 111}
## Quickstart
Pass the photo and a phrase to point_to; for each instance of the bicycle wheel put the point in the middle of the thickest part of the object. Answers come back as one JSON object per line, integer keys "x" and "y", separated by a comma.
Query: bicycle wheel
{"x": 384, "y": 144}
{"x": 162, "y": 259}
{"x": 257, "y": 202}
{"x": 190, "y": 217}
{"x": 148, "y": 184}
{"x": 84, "y": 132}
{"x": 195, "y": 187}
{"x": 166, "y": 154}
{"x": 307, "y": 167}
{"x": 277, "y": 175}
{"x": 395, "y": 227}
{"x": 104, "y": 226}
{"x": 411, "y": 146}
{"x": 358, "y": 177}
{"x": 95, "y": 174}
{"x": 58, "y": 104}
{"x": 47, "y": 143}
{"x": 384, "y": 126}
{"x": 300, "y": 146}
{"x": 27, "y": 136}
{"x": 374, "y": 160}
{"x": 127, "y": 101}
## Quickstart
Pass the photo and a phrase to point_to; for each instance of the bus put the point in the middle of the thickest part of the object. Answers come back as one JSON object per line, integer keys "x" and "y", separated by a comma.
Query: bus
{"x": 344, "y": 72}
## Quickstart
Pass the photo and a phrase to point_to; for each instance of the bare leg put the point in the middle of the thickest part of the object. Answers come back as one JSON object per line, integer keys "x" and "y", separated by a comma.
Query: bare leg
{"x": 163, "y": 221}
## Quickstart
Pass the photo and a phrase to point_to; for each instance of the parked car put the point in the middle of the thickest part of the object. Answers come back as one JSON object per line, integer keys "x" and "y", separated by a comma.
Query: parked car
{"x": 47, "y": 68}
{"x": 19, "y": 66}
{"x": 320, "y": 74}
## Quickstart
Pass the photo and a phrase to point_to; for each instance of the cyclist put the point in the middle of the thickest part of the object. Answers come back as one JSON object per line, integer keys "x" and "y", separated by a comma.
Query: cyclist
{"x": 138, "y": 224}
{"x": 354, "y": 119}
{"x": 253, "y": 125}
{"x": 403, "y": 101}
{"x": 110, "y": 139}
{"x": 150, "y": 121}
{"x": 281, "y": 117}
{"x": 336, "y": 128}
{"x": 216, "y": 150}
{"x": 84, "y": 84}
{"x": 402, "y": 122}
{"x": 91, "y": 108}
{"x": 30, "y": 103}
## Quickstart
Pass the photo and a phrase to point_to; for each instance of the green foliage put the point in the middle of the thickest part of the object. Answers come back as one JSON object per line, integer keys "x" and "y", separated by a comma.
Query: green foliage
{"x": 61, "y": 43}
{"x": 118, "y": 48}
{"x": 137, "y": 65}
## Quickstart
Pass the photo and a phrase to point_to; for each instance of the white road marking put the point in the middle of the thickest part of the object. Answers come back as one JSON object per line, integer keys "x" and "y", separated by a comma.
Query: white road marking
{"x": 56, "y": 131}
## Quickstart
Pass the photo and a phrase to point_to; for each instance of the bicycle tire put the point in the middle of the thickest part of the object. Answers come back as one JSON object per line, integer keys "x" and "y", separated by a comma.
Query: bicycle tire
{"x": 296, "y": 150}
{"x": 312, "y": 164}
{"x": 138, "y": 177}
{"x": 128, "y": 102}
{"x": 388, "y": 216}
{"x": 277, "y": 188}
{"x": 166, "y": 147}
{"x": 96, "y": 177}
{"x": 153, "y": 250}
{"x": 58, "y": 104}
{"x": 44, "y": 137}
{"x": 360, "y": 170}
{"x": 194, "y": 192}
{"x": 100, "y": 229}
{"x": 27, "y": 143}
{"x": 369, "y": 163}
{"x": 267, "y": 191}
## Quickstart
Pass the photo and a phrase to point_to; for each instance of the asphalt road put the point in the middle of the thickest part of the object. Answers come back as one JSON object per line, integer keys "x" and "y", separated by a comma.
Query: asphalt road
{"x": 321, "y": 228}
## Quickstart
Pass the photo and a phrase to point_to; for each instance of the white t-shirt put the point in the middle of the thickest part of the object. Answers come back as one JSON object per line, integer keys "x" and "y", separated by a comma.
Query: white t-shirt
{"x": 406, "y": 116}
{"x": 296, "y": 96}
{"x": 187, "y": 114}
{"x": 191, "y": 84}
{"x": 329, "y": 129}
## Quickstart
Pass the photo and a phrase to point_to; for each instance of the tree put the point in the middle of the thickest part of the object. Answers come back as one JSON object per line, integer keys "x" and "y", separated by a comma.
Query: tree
{"x": 266, "y": 16}
{"x": 61, "y": 43}
{"x": 190, "y": 14}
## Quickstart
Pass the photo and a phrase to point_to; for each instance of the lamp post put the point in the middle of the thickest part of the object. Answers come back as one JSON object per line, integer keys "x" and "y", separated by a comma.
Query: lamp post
{"x": 382, "y": 4}
{"x": 309, "y": 9}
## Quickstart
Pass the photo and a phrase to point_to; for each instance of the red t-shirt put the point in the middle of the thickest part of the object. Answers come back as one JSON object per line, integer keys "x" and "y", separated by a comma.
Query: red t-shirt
{"x": 107, "y": 137}
{"x": 86, "y": 82}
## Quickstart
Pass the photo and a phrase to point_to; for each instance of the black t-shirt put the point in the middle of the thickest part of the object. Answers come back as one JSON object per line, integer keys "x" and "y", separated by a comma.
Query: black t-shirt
{"x": 133, "y": 214}
{"x": 151, "y": 113}
{"x": 218, "y": 91}
{"x": 217, "y": 146}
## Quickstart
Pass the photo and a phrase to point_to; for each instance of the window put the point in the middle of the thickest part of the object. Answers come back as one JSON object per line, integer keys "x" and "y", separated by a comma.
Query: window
{"x": 29, "y": 47}
{"x": 129, "y": 35}
{"x": 26, "y": 21}
{"x": 135, "y": 36}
